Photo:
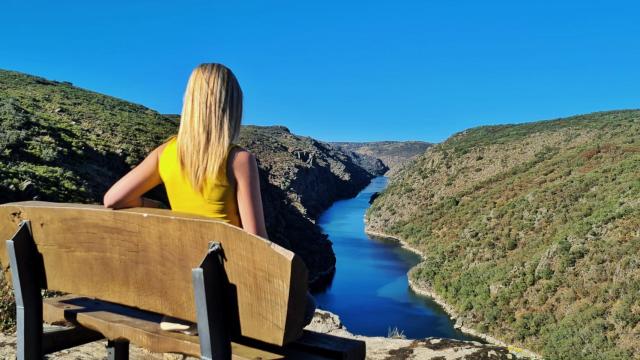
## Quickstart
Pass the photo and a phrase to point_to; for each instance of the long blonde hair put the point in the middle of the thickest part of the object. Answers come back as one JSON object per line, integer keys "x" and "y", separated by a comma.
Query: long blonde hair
{"x": 210, "y": 123}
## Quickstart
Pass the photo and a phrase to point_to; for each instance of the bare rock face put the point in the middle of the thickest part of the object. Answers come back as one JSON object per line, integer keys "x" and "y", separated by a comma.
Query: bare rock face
{"x": 314, "y": 173}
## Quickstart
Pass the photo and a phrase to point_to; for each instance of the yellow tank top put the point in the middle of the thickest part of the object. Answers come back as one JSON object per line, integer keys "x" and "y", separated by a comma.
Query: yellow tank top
{"x": 219, "y": 199}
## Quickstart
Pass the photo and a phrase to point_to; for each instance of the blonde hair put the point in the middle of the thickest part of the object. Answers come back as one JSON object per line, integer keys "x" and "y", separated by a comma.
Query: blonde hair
{"x": 209, "y": 124}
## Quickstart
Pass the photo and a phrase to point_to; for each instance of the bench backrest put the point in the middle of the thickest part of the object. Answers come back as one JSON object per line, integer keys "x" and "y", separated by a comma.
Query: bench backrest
{"x": 143, "y": 258}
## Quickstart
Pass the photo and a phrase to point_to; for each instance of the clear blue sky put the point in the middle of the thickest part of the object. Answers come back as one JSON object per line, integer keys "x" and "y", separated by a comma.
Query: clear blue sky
{"x": 339, "y": 70}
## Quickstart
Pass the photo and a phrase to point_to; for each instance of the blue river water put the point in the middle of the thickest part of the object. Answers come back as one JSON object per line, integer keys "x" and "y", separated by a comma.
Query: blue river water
{"x": 369, "y": 290}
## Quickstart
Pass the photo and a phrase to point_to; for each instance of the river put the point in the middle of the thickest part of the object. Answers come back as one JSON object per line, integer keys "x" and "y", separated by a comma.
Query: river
{"x": 369, "y": 290}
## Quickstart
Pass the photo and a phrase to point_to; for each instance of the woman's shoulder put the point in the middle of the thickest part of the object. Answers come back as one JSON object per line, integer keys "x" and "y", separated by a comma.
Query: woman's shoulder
{"x": 239, "y": 155}
{"x": 241, "y": 161}
{"x": 169, "y": 142}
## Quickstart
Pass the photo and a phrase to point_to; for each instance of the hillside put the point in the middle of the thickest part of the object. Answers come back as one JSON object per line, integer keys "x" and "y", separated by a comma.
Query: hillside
{"x": 530, "y": 232}
{"x": 301, "y": 177}
{"x": 66, "y": 144}
{"x": 394, "y": 154}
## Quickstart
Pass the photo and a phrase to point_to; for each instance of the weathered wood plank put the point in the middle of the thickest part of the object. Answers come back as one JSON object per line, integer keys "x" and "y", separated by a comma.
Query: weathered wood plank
{"x": 143, "y": 329}
{"x": 144, "y": 257}
{"x": 139, "y": 327}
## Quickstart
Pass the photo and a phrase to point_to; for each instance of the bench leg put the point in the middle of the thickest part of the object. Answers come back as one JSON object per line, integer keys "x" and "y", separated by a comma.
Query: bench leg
{"x": 208, "y": 287}
{"x": 27, "y": 280}
{"x": 27, "y": 274}
{"x": 29, "y": 333}
{"x": 118, "y": 349}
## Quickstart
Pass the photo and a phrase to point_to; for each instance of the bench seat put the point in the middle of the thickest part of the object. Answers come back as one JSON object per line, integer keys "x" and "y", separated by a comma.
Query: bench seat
{"x": 143, "y": 329}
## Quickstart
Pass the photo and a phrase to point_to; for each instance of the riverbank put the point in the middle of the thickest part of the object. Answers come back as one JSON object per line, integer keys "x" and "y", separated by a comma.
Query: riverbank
{"x": 353, "y": 290}
{"x": 425, "y": 290}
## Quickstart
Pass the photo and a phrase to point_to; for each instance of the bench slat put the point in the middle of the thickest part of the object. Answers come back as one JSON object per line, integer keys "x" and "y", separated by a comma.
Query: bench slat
{"x": 139, "y": 327}
{"x": 143, "y": 329}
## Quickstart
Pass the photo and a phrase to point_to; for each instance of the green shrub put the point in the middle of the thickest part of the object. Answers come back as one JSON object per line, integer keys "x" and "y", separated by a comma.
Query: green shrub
{"x": 7, "y": 306}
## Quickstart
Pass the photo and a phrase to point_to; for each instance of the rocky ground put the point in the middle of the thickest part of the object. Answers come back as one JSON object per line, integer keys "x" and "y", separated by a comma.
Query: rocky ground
{"x": 378, "y": 348}
{"x": 388, "y": 348}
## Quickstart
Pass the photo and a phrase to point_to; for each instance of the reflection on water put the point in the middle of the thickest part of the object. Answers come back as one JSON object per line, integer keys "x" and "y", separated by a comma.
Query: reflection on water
{"x": 369, "y": 290}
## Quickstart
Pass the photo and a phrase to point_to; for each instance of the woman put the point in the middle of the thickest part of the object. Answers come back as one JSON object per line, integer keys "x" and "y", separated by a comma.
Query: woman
{"x": 204, "y": 172}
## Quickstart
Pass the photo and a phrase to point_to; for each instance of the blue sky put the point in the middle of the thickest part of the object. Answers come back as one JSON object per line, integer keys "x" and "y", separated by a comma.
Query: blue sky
{"x": 339, "y": 70}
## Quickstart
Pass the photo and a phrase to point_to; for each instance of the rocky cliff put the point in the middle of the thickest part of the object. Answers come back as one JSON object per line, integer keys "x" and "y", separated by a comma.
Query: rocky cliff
{"x": 301, "y": 177}
{"x": 531, "y": 232}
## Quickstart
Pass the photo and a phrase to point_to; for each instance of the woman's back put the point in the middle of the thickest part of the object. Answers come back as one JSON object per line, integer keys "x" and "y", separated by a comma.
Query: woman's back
{"x": 203, "y": 171}
{"x": 218, "y": 199}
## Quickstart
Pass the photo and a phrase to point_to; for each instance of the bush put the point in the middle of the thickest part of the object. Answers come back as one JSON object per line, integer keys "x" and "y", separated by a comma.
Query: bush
{"x": 7, "y": 306}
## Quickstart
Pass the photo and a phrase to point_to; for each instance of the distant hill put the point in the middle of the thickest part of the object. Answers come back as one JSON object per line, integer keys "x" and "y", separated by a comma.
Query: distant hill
{"x": 531, "y": 232}
{"x": 370, "y": 163}
{"x": 394, "y": 154}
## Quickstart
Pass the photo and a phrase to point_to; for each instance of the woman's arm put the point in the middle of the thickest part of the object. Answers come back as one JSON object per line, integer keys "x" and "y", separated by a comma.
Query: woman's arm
{"x": 245, "y": 174}
{"x": 128, "y": 191}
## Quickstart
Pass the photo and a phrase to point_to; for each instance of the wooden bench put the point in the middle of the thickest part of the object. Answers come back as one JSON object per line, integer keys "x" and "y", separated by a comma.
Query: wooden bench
{"x": 125, "y": 269}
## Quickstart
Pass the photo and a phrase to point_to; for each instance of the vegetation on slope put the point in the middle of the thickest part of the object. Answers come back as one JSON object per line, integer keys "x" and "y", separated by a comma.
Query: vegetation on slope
{"x": 531, "y": 232}
{"x": 62, "y": 143}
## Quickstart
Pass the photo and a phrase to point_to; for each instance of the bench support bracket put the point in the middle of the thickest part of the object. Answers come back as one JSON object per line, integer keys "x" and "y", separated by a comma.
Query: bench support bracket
{"x": 28, "y": 278}
{"x": 210, "y": 295}
{"x": 26, "y": 288}
{"x": 118, "y": 349}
